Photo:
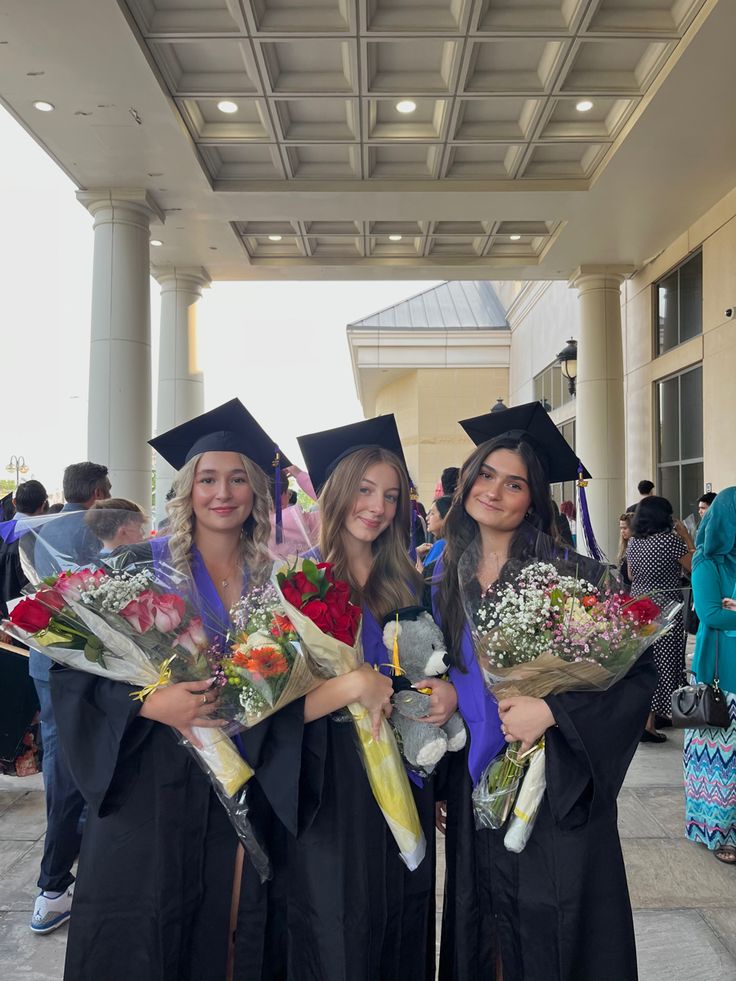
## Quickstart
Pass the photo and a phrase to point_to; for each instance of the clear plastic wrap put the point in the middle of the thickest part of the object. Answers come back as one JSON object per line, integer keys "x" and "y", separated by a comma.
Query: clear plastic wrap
{"x": 332, "y": 657}
{"x": 553, "y": 622}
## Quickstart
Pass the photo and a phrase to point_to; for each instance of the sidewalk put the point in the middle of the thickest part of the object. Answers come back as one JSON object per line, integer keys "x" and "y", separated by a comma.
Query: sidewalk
{"x": 684, "y": 900}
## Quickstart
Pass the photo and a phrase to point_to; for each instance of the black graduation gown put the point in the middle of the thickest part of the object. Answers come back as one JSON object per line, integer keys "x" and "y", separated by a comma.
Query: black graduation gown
{"x": 154, "y": 887}
{"x": 560, "y": 910}
{"x": 341, "y": 906}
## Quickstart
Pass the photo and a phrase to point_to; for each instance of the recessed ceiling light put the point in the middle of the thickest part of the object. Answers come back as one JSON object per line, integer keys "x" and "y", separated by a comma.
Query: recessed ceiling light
{"x": 227, "y": 106}
{"x": 156, "y": 242}
{"x": 514, "y": 238}
{"x": 405, "y": 106}
{"x": 274, "y": 238}
{"x": 43, "y": 106}
{"x": 394, "y": 238}
{"x": 584, "y": 106}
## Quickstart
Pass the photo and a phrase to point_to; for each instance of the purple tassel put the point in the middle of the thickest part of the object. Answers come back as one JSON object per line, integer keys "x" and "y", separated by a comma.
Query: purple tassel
{"x": 590, "y": 540}
{"x": 413, "y": 518}
{"x": 277, "y": 497}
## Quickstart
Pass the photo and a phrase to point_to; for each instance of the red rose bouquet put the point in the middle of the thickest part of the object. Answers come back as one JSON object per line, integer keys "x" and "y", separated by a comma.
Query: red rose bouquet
{"x": 328, "y": 625}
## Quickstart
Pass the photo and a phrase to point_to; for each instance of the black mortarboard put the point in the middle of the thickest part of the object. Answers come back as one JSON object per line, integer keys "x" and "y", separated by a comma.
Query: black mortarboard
{"x": 531, "y": 423}
{"x": 323, "y": 451}
{"x": 228, "y": 428}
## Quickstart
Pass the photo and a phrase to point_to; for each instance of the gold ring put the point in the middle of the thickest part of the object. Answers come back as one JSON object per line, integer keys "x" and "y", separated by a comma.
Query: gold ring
{"x": 204, "y": 699}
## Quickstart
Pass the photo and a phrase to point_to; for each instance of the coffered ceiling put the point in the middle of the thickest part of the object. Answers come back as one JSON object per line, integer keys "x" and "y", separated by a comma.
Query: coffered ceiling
{"x": 499, "y": 169}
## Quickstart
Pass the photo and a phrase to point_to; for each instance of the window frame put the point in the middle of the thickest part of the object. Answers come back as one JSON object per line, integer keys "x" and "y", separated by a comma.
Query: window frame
{"x": 660, "y": 350}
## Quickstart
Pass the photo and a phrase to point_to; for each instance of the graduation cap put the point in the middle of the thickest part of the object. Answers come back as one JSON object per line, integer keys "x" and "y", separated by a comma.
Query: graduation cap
{"x": 323, "y": 451}
{"x": 530, "y": 423}
{"x": 229, "y": 428}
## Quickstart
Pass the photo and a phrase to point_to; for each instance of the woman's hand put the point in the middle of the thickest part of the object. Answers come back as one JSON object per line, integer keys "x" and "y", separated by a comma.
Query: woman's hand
{"x": 524, "y": 719}
{"x": 442, "y": 701}
{"x": 183, "y": 706}
{"x": 728, "y": 604}
{"x": 373, "y": 692}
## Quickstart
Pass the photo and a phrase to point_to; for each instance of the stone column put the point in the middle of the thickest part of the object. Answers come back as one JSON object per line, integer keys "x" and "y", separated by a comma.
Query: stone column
{"x": 599, "y": 420}
{"x": 120, "y": 347}
{"x": 180, "y": 382}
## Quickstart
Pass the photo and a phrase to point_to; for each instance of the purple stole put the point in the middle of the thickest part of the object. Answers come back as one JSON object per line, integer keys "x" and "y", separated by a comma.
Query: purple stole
{"x": 477, "y": 705}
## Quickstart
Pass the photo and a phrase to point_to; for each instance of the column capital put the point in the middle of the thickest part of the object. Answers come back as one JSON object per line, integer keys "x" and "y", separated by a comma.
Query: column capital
{"x": 131, "y": 199}
{"x": 194, "y": 278}
{"x": 600, "y": 277}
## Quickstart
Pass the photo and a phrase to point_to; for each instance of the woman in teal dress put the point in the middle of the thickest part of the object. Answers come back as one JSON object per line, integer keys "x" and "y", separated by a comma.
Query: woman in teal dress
{"x": 710, "y": 754}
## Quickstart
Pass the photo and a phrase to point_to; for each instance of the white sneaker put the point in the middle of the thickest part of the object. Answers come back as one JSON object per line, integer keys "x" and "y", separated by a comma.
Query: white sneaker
{"x": 49, "y": 914}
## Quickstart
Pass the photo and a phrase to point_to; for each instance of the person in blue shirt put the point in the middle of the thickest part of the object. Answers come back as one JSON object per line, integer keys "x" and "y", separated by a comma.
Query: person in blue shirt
{"x": 436, "y": 515}
{"x": 64, "y": 544}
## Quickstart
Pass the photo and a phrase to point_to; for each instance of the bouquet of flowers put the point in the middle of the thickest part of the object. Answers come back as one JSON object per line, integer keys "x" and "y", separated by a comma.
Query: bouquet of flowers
{"x": 328, "y": 625}
{"x": 126, "y": 627}
{"x": 544, "y": 629}
{"x": 264, "y": 667}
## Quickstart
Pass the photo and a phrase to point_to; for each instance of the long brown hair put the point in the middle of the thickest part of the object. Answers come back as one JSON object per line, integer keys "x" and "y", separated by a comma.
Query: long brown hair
{"x": 462, "y": 534}
{"x": 623, "y": 542}
{"x": 393, "y": 581}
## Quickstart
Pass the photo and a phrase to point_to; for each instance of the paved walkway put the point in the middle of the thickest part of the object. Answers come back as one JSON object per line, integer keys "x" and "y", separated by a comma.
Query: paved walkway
{"x": 684, "y": 900}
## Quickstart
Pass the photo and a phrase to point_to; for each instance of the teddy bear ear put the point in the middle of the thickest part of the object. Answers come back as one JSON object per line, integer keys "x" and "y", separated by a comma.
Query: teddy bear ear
{"x": 391, "y": 630}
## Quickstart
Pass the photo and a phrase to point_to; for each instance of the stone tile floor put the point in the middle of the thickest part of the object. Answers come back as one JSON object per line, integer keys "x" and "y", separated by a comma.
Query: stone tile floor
{"x": 684, "y": 900}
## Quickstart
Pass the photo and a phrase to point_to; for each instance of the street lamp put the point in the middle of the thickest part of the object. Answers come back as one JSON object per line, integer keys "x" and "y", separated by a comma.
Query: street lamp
{"x": 499, "y": 406}
{"x": 18, "y": 464}
{"x": 568, "y": 361}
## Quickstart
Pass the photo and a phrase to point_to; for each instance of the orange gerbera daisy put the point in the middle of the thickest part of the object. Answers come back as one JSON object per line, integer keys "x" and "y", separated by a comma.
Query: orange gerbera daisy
{"x": 269, "y": 662}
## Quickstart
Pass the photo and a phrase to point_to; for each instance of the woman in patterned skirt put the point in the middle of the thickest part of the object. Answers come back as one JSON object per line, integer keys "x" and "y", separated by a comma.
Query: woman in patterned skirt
{"x": 656, "y": 556}
{"x": 710, "y": 754}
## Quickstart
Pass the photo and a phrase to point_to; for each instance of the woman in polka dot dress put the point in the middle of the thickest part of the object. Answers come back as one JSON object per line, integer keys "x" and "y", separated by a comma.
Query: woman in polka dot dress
{"x": 656, "y": 557}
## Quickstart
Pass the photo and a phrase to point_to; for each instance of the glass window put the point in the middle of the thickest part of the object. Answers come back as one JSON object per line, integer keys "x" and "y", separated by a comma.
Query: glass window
{"x": 680, "y": 440}
{"x": 550, "y": 388}
{"x": 691, "y": 408}
{"x": 669, "y": 420}
{"x": 691, "y": 298}
{"x": 679, "y": 304}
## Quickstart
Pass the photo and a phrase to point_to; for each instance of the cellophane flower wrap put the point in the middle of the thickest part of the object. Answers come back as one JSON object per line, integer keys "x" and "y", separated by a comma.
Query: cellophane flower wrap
{"x": 553, "y": 622}
{"x": 328, "y": 625}
{"x": 127, "y": 619}
{"x": 263, "y": 667}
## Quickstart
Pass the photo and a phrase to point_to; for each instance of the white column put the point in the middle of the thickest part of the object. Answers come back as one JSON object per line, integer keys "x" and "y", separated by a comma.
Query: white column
{"x": 599, "y": 419}
{"x": 180, "y": 382}
{"x": 120, "y": 349}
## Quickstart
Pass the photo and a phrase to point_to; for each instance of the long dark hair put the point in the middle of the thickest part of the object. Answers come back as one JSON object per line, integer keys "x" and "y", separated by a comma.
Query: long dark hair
{"x": 461, "y": 532}
{"x": 652, "y": 515}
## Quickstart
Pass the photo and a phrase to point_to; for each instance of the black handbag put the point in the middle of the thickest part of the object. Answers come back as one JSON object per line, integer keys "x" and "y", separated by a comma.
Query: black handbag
{"x": 701, "y": 706}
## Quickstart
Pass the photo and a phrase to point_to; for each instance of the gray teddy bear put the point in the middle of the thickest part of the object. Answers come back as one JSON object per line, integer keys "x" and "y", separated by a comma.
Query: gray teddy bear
{"x": 421, "y": 654}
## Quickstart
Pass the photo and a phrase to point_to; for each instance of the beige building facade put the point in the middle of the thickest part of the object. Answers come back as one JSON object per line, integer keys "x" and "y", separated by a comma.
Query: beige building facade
{"x": 661, "y": 394}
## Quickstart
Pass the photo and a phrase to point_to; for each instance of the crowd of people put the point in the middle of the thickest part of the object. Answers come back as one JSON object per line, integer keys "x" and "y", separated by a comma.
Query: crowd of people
{"x": 163, "y": 889}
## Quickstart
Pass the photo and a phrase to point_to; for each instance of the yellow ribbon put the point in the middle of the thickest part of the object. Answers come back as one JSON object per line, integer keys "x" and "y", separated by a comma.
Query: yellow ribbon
{"x": 164, "y": 677}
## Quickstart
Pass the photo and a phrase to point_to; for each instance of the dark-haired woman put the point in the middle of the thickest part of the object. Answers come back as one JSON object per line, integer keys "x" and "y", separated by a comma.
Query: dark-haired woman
{"x": 559, "y": 910}
{"x": 656, "y": 556}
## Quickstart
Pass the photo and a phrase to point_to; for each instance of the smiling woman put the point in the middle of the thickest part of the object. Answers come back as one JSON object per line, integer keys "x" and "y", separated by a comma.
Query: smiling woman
{"x": 158, "y": 891}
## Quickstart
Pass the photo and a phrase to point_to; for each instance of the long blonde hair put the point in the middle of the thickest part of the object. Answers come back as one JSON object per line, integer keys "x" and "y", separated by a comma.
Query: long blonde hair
{"x": 255, "y": 533}
{"x": 623, "y": 542}
{"x": 393, "y": 581}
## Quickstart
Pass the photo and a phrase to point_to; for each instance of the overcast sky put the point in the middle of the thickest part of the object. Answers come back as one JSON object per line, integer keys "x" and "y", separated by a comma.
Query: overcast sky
{"x": 295, "y": 378}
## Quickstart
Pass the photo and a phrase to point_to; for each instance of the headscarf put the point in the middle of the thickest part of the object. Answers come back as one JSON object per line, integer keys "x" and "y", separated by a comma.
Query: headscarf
{"x": 716, "y": 538}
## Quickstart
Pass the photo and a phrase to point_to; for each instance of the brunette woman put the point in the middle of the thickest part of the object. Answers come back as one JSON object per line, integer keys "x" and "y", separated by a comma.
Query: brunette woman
{"x": 559, "y": 910}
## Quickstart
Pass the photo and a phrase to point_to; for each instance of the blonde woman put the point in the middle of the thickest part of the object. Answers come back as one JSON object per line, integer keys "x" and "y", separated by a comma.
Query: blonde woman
{"x": 157, "y": 870}
{"x": 354, "y": 911}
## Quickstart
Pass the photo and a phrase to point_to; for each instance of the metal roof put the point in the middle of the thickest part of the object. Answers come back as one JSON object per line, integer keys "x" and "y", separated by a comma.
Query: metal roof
{"x": 470, "y": 305}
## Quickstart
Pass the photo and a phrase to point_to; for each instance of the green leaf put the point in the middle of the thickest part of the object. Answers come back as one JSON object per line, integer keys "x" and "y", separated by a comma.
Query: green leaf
{"x": 311, "y": 571}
